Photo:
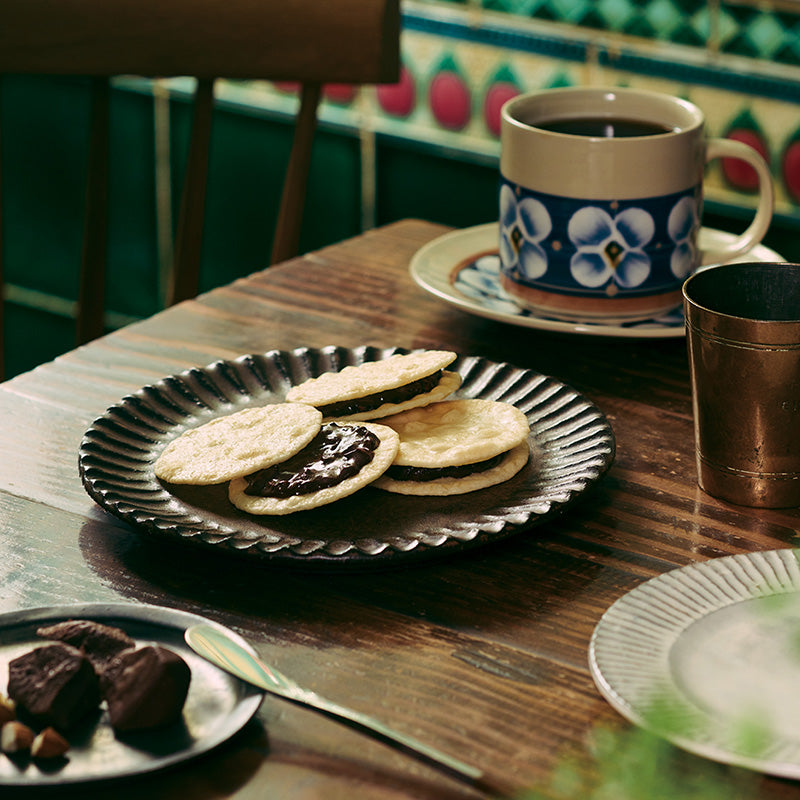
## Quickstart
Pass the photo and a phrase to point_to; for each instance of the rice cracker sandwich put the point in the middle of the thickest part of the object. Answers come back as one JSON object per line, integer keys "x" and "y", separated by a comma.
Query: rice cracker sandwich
{"x": 341, "y": 459}
{"x": 379, "y": 388}
{"x": 456, "y": 446}
{"x": 236, "y": 445}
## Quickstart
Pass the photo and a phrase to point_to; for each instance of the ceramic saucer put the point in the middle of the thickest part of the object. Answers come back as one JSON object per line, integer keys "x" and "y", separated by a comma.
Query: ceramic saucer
{"x": 462, "y": 268}
{"x": 705, "y": 656}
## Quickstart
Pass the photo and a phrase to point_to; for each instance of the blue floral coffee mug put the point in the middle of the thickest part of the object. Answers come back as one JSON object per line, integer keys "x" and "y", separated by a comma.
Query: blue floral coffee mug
{"x": 601, "y": 194}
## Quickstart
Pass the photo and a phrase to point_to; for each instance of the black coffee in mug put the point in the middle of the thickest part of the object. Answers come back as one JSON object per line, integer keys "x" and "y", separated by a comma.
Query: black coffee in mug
{"x": 602, "y": 127}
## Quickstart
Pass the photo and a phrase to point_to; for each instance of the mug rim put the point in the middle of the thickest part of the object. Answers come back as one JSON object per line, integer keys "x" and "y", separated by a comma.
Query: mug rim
{"x": 692, "y": 115}
{"x": 697, "y": 307}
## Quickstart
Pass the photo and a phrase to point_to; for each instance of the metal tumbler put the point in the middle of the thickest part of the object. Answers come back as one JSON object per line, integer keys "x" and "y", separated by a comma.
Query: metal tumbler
{"x": 743, "y": 335}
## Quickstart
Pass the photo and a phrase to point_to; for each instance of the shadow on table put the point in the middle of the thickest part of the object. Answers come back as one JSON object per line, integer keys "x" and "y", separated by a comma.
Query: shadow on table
{"x": 490, "y": 588}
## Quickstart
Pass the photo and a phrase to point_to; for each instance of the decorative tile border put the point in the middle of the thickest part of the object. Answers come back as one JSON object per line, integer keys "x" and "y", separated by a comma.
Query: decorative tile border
{"x": 763, "y": 29}
{"x": 485, "y": 57}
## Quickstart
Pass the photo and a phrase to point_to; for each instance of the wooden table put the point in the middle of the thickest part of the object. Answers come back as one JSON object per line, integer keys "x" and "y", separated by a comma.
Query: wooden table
{"x": 483, "y": 655}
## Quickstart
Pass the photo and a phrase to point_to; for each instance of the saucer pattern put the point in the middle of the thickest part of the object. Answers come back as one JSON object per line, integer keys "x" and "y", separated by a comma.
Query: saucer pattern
{"x": 478, "y": 279}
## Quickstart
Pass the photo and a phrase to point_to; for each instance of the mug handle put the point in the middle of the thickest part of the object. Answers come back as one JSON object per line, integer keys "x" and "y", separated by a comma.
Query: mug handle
{"x": 729, "y": 148}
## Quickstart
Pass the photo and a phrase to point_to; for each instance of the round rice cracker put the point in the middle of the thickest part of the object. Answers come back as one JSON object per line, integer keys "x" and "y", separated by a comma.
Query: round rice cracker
{"x": 513, "y": 462}
{"x": 456, "y": 432}
{"x": 383, "y": 456}
{"x": 239, "y": 444}
{"x": 372, "y": 377}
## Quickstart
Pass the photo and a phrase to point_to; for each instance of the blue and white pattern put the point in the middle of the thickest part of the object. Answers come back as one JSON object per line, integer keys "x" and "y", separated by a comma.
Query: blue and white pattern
{"x": 479, "y": 280}
{"x": 524, "y": 224}
{"x": 593, "y": 248}
{"x": 610, "y": 250}
{"x": 683, "y": 224}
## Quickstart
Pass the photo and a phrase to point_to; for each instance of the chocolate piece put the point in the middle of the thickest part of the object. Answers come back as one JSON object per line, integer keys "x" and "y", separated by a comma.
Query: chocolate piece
{"x": 99, "y": 642}
{"x": 337, "y": 452}
{"x": 145, "y": 687}
{"x": 56, "y": 684}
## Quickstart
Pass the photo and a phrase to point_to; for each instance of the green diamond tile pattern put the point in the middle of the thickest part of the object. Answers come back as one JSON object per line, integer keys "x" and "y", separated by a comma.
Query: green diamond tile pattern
{"x": 752, "y": 30}
{"x": 766, "y": 35}
{"x": 522, "y": 8}
{"x": 790, "y": 52}
{"x": 725, "y": 28}
{"x": 618, "y": 15}
{"x": 671, "y": 21}
{"x": 575, "y": 11}
{"x": 761, "y": 33}
{"x": 667, "y": 20}
{"x": 664, "y": 16}
{"x": 693, "y": 30}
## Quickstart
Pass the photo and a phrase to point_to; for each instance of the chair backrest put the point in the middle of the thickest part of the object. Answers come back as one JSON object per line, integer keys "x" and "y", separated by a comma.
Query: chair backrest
{"x": 307, "y": 41}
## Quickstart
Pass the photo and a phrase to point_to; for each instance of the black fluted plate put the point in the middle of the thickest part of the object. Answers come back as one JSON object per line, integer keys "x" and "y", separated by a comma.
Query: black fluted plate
{"x": 217, "y": 707}
{"x": 572, "y": 446}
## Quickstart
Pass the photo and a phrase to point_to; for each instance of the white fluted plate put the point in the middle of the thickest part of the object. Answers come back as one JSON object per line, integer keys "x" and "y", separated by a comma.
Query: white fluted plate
{"x": 708, "y": 656}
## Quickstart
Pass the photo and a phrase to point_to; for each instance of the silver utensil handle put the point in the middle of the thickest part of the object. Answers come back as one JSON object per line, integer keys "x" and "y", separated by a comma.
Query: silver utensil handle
{"x": 238, "y": 658}
{"x": 365, "y": 722}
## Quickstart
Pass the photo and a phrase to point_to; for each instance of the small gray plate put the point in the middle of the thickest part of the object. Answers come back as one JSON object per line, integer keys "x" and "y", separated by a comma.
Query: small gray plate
{"x": 218, "y": 705}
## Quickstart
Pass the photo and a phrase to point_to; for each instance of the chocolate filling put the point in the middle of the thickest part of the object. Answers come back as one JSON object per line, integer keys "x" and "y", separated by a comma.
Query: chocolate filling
{"x": 337, "y": 452}
{"x": 423, "y": 474}
{"x": 367, "y": 403}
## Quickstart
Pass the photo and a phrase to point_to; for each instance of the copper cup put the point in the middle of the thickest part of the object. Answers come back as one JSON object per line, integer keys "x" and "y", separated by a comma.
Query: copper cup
{"x": 743, "y": 333}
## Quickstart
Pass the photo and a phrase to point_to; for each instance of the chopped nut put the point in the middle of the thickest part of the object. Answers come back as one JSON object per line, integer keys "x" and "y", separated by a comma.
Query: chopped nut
{"x": 49, "y": 744}
{"x": 8, "y": 709}
{"x": 15, "y": 737}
